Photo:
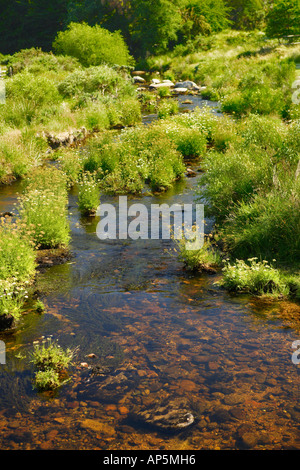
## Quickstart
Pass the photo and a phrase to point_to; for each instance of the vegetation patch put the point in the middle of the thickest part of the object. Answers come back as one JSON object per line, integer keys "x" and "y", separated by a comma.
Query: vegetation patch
{"x": 51, "y": 362}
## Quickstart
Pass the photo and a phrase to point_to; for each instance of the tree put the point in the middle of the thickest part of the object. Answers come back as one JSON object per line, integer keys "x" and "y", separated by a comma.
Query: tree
{"x": 92, "y": 45}
{"x": 246, "y": 14}
{"x": 203, "y": 17}
{"x": 153, "y": 25}
{"x": 110, "y": 14}
{"x": 283, "y": 18}
{"x": 30, "y": 23}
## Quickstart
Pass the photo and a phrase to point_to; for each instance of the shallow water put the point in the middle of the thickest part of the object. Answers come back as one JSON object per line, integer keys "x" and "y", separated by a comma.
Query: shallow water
{"x": 157, "y": 335}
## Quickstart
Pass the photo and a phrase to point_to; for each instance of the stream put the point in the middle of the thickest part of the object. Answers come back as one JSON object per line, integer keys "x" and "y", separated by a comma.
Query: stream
{"x": 166, "y": 358}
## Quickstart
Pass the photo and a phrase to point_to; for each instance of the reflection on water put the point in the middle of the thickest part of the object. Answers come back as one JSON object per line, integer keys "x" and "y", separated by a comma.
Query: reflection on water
{"x": 157, "y": 346}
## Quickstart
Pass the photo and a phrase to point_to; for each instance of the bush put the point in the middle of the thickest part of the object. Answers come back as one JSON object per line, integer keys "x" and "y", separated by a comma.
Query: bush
{"x": 254, "y": 277}
{"x": 233, "y": 177}
{"x": 37, "y": 90}
{"x": 29, "y": 99}
{"x": 189, "y": 142}
{"x": 17, "y": 258}
{"x": 17, "y": 268}
{"x": 47, "y": 178}
{"x": 36, "y": 61}
{"x": 12, "y": 297}
{"x": 167, "y": 108}
{"x": 88, "y": 195}
{"x": 205, "y": 258}
{"x": 44, "y": 214}
{"x": 268, "y": 225}
{"x": 101, "y": 79}
{"x": 71, "y": 165}
{"x": 52, "y": 363}
{"x": 139, "y": 156}
{"x": 92, "y": 45}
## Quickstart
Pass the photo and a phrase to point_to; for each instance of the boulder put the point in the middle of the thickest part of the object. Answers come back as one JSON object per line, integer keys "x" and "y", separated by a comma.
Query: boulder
{"x": 138, "y": 79}
{"x": 165, "y": 83}
{"x": 173, "y": 416}
{"x": 180, "y": 91}
{"x": 65, "y": 138}
{"x": 187, "y": 84}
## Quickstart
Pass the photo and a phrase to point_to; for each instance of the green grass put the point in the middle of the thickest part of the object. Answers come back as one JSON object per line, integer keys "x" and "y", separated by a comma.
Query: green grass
{"x": 245, "y": 71}
{"x": 51, "y": 362}
{"x": 49, "y": 93}
{"x": 17, "y": 267}
{"x": 17, "y": 258}
{"x": 88, "y": 195}
{"x": 254, "y": 277}
{"x": 205, "y": 258}
{"x": 44, "y": 215}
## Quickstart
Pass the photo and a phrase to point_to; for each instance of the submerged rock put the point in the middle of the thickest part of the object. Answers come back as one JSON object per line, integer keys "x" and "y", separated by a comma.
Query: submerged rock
{"x": 174, "y": 416}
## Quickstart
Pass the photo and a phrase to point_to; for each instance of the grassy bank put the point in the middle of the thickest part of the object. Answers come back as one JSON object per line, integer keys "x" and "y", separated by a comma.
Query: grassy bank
{"x": 251, "y": 182}
{"x": 53, "y": 94}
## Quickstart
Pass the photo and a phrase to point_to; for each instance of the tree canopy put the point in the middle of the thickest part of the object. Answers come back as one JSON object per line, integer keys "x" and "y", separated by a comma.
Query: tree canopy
{"x": 92, "y": 45}
{"x": 146, "y": 26}
{"x": 283, "y": 19}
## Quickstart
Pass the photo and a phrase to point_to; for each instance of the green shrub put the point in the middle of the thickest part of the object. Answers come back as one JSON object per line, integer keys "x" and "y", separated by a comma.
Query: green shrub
{"x": 36, "y": 61}
{"x": 101, "y": 79}
{"x": 17, "y": 267}
{"x": 189, "y": 142}
{"x": 49, "y": 355}
{"x": 167, "y": 108}
{"x": 29, "y": 99}
{"x": 205, "y": 258}
{"x": 17, "y": 255}
{"x": 88, "y": 195}
{"x": 254, "y": 277}
{"x": 47, "y": 178}
{"x": 92, "y": 45}
{"x": 44, "y": 214}
{"x": 37, "y": 90}
{"x": 268, "y": 225}
{"x": 233, "y": 177}
{"x": 12, "y": 298}
{"x": 46, "y": 380}
{"x": 52, "y": 363}
{"x": 71, "y": 165}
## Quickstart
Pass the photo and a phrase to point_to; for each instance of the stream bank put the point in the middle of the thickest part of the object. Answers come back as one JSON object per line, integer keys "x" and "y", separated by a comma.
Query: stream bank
{"x": 167, "y": 359}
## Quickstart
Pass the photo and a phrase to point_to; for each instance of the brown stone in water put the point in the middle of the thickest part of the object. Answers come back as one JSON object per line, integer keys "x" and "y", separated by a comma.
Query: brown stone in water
{"x": 52, "y": 434}
{"x": 123, "y": 410}
{"x": 111, "y": 408}
{"x": 213, "y": 365}
{"x": 187, "y": 385}
{"x": 98, "y": 426}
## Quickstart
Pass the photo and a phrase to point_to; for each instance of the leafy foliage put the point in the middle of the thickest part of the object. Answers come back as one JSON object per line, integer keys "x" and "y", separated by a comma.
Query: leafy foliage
{"x": 92, "y": 45}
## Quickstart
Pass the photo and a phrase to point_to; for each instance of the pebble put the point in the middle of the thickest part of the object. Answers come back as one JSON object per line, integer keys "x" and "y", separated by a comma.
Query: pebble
{"x": 248, "y": 440}
{"x": 123, "y": 410}
{"x": 98, "y": 426}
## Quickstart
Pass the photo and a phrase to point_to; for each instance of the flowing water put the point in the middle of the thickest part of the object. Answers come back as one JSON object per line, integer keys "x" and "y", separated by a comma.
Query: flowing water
{"x": 154, "y": 340}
